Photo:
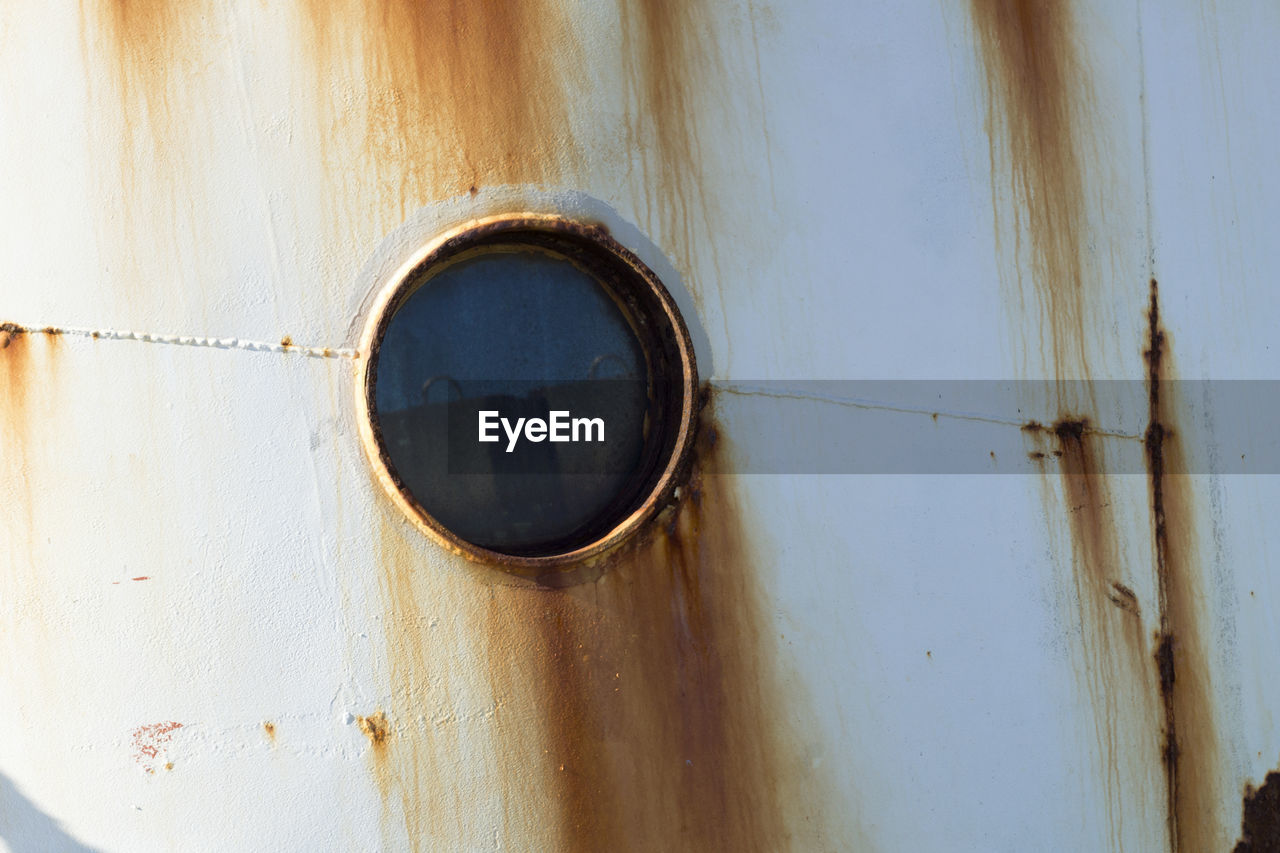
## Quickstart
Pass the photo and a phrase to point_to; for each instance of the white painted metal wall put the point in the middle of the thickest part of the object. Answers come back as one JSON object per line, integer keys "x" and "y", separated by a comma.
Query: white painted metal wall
{"x": 190, "y": 535}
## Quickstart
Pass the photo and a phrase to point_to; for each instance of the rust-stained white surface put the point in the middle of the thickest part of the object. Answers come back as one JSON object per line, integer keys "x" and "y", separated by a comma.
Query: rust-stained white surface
{"x": 216, "y": 632}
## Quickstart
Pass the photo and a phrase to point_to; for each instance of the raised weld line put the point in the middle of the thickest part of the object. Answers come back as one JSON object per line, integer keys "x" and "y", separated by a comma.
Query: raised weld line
{"x": 189, "y": 341}
{"x": 882, "y": 406}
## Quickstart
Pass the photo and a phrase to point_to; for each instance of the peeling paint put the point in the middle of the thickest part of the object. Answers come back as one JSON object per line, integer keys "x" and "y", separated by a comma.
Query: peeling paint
{"x": 150, "y": 741}
{"x": 375, "y": 728}
{"x": 1260, "y": 825}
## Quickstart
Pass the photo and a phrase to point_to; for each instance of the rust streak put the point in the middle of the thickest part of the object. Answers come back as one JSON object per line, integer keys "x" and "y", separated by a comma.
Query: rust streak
{"x": 406, "y": 766}
{"x": 1113, "y": 643}
{"x": 1036, "y": 94}
{"x": 655, "y": 688}
{"x": 452, "y": 95}
{"x": 1040, "y": 114}
{"x": 667, "y": 50}
{"x": 638, "y": 711}
{"x": 1190, "y": 742}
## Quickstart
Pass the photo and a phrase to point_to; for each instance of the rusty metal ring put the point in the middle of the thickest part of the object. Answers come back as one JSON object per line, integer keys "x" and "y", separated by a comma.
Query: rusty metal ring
{"x": 645, "y": 299}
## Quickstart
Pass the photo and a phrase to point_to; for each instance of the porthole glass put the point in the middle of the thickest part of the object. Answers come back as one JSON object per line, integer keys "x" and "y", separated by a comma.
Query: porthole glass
{"x": 528, "y": 388}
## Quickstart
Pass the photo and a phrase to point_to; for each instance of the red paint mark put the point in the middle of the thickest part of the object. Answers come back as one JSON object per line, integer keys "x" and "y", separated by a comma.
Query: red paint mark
{"x": 149, "y": 740}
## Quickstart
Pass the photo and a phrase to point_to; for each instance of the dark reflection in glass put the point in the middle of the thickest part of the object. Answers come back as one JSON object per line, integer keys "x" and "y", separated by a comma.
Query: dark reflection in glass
{"x": 523, "y": 333}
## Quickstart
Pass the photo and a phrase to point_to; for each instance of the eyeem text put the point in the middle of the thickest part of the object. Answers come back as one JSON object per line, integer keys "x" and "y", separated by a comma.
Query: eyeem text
{"x": 559, "y": 427}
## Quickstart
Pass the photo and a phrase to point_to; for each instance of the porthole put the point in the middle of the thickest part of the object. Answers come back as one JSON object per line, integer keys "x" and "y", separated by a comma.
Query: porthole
{"x": 527, "y": 390}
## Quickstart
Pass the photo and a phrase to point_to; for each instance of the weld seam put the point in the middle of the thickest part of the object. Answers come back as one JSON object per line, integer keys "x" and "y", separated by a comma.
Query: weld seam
{"x": 882, "y": 406}
{"x": 188, "y": 341}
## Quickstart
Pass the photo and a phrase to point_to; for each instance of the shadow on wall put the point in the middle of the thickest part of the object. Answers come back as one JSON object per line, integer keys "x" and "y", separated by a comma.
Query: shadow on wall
{"x": 26, "y": 829}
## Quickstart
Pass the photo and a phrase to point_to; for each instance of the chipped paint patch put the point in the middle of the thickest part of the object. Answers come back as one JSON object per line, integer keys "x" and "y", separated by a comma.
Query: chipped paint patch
{"x": 1260, "y": 824}
{"x": 150, "y": 741}
{"x": 375, "y": 728}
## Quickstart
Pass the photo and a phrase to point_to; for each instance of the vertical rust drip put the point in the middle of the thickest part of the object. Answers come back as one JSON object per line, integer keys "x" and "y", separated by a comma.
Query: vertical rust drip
{"x": 1190, "y": 742}
{"x": 655, "y": 691}
{"x": 1036, "y": 95}
{"x": 1039, "y": 126}
{"x": 1113, "y": 670}
{"x": 403, "y": 749}
{"x": 669, "y": 55}
{"x": 639, "y": 711}
{"x": 451, "y": 96}
{"x": 146, "y": 75}
{"x": 1039, "y": 112}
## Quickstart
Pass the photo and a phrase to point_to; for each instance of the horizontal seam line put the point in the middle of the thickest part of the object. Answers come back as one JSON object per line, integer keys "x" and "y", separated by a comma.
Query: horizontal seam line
{"x": 185, "y": 340}
{"x": 881, "y": 406}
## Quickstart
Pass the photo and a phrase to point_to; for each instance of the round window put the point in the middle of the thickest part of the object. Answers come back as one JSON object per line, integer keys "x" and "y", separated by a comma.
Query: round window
{"x": 528, "y": 389}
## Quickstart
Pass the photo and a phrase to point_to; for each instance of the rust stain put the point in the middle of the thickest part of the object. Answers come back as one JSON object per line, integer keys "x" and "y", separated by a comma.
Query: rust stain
{"x": 655, "y": 689}
{"x": 375, "y": 728}
{"x": 669, "y": 51}
{"x": 150, "y": 740}
{"x": 1190, "y": 741}
{"x": 16, "y": 361}
{"x": 1113, "y": 640}
{"x": 405, "y": 768}
{"x": 270, "y": 729}
{"x": 1039, "y": 114}
{"x": 450, "y": 95}
{"x": 1037, "y": 94}
{"x": 28, "y": 365}
{"x": 639, "y": 710}
{"x": 1124, "y": 598}
{"x": 146, "y": 68}
{"x": 1260, "y": 826}
{"x": 286, "y": 341}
